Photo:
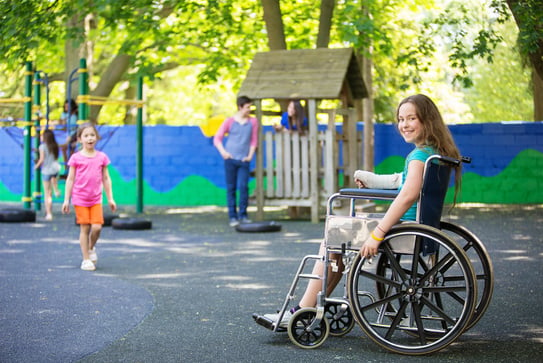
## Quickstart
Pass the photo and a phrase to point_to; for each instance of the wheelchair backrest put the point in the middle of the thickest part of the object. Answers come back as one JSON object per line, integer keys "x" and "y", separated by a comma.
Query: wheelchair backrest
{"x": 437, "y": 174}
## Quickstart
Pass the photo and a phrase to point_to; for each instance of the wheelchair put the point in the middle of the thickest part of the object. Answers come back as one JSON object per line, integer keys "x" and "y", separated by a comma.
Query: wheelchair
{"x": 431, "y": 280}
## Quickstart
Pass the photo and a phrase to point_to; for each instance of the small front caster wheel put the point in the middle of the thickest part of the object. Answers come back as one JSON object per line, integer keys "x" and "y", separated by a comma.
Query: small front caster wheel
{"x": 305, "y": 331}
{"x": 340, "y": 318}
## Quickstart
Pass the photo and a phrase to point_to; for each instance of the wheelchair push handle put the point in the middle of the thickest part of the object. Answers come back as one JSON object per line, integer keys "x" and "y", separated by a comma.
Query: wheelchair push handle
{"x": 453, "y": 161}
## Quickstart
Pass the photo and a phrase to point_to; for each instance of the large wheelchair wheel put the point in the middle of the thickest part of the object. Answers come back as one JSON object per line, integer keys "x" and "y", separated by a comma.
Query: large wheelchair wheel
{"x": 482, "y": 265}
{"x": 305, "y": 332}
{"x": 409, "y": 303}
{"x": 339, "y": 317}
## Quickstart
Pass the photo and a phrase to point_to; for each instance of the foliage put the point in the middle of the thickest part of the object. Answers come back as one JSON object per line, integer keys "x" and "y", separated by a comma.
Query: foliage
{"x": 25, "y": 25}
{"x": 500, "y": 88}
{"x": 419, "y": 46}
{"x": 430, "y": 47}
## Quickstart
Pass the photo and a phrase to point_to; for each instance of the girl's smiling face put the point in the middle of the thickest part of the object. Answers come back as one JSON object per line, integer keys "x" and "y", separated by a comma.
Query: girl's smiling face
{"x": 409, "y": 124}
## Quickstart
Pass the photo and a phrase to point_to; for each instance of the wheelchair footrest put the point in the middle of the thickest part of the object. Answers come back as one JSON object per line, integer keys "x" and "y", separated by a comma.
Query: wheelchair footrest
{"x": 265, "y": 322}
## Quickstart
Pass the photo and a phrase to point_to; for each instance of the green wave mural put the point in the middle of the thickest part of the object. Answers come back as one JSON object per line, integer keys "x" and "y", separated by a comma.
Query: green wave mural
{"x": 516, "y": 184}
{"x": 192, "y": 191}
{"x": 6, "y": 195}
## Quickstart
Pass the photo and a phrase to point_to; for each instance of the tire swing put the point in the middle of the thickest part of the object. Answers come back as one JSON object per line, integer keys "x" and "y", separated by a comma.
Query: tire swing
{"x": 131, "y": 223}
{"x": 16, "y": 215}
{"x": 255, "y": 227}
{"x": 108, "y": 218}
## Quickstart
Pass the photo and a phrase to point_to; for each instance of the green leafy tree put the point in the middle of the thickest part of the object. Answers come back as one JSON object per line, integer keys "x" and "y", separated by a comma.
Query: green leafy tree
{"x": 124, "y": 39}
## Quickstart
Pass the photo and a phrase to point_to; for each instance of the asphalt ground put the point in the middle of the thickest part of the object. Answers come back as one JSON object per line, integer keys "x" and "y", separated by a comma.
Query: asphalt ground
{"x": 185, "y": 290}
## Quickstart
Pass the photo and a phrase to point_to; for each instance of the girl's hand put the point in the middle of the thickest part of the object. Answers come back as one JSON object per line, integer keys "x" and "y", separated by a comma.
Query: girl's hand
{"x": 359, "y": 183}
{"x": 112, "y": 205}
{"x": 65, "y": 208}
{"x": 226, "y": 155}
{"x": 370, "y": 248}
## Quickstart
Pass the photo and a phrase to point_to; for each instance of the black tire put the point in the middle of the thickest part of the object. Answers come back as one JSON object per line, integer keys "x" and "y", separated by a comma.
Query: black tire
{"x": 340, "y": 318}
{"x": 299, "y": 330}
{"x": 108, "y": 218}
{"x": 17, "y": 215}
{"x": 255, "y": 227}
{"x": 131, "y": 223}
{"x": 482, "y": 265}
{"x": 409, "y": 303}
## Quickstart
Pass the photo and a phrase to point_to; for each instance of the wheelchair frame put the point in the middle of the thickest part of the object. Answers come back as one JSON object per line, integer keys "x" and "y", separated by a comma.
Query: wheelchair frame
{"x": 431, "y": 281}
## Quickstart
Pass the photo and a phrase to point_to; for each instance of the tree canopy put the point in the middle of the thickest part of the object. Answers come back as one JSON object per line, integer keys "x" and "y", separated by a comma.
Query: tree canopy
{"x": 421, "y": 46}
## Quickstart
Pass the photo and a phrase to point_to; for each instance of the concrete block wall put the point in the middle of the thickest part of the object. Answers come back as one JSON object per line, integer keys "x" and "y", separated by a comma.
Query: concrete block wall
{"x": 182, "y": 168}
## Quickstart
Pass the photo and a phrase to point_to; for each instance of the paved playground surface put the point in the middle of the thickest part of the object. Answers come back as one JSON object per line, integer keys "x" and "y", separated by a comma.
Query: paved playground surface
{"x": 186, "y": 289}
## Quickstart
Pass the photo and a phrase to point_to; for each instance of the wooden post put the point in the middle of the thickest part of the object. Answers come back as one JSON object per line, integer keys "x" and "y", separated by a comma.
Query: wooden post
{"x": 331, "y": 155}
{"x": 313, "y": 160}
{"x": 259, "y": 164}
{"x": 279, "y": 188}
{"x": 351, "y": 159}
{"x": 269, "y": 165}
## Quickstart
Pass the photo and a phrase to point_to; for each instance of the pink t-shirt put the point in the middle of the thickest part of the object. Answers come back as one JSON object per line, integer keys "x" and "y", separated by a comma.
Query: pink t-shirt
{"x": 87, "y": 189}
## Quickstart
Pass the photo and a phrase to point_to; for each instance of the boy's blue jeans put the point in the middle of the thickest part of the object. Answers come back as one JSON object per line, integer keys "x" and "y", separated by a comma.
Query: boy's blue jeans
{"x": 237, "y": 175}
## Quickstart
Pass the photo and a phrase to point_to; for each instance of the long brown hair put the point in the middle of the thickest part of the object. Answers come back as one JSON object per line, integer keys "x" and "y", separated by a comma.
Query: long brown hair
{"x": 435, "y": 132}
{"x": 298, "y": 118}
{"x": 51, "y": 143}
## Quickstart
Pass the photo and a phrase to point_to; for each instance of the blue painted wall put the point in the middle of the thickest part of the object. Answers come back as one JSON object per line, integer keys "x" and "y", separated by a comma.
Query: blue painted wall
{"x": 181, "y": 162}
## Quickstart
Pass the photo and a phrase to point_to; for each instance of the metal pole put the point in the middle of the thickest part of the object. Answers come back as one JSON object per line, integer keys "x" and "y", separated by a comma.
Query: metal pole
{"x": 83, "y": 91}
{"x": 37, "y": 173}
{"x": 139, "y": 152}
{"x": 27, "y": 188}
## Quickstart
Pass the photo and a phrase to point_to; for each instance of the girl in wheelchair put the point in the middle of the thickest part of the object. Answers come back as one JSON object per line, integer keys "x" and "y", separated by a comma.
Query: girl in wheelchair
{"x": 421, "y": 124}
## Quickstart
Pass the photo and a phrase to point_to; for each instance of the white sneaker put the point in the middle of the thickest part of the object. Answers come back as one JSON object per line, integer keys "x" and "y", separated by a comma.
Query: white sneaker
{"x": 92, "y": 255}
{"x": 284, "y": 322}
{"x": 87, "y": 265}
{"x": 233, "y": 222}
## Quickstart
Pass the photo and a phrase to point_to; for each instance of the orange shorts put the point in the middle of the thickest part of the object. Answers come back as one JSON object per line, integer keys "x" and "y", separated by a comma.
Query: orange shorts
{"x": 89, "y": 215}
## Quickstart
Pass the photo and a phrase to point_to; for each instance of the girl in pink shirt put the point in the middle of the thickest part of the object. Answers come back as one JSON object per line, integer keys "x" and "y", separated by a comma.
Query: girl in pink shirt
{"x": 87, "y": 177}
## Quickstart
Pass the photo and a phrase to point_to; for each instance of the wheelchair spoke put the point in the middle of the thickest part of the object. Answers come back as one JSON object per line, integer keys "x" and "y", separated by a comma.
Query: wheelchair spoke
{"x": 438, "y": 311}
{"x": 380, "y": 279}
{"x": 410, "y": 303}
{"x": 420, "y": 327}
{"x": 394, "y": 264}
{"x": 381, "y": 302}
{"x": 397, "y": 319}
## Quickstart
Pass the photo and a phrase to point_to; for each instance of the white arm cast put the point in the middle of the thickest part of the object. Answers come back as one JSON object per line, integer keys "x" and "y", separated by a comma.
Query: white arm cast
{"x": 377, "y": 181}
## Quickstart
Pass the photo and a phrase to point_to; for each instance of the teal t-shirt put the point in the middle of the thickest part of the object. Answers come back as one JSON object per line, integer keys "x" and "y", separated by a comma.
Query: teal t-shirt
{"x": 421, "y": 154}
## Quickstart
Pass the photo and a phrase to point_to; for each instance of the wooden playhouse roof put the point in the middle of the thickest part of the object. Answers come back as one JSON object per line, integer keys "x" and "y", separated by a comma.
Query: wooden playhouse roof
{"x": 304, "y": 73}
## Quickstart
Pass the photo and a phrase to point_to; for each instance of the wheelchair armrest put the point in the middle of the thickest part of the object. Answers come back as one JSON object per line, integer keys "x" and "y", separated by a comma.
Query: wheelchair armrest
{"x": 381, "y": 194}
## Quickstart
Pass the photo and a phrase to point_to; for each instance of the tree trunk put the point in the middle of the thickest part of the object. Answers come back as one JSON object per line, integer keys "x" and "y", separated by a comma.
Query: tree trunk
{"x": 537, "y": 82}
{"x": 521, "y": 15}
{"x": 368, "y": 111}
{"x": 369, "y": 133}
{"x": 113, "y": 74}
{"x": 325, "y": 23}
{"x": 131, "y": 110}
{"x": 274, "y": 24}
{"x": 73, "y": 51}
{"x": 521, "y": 11}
